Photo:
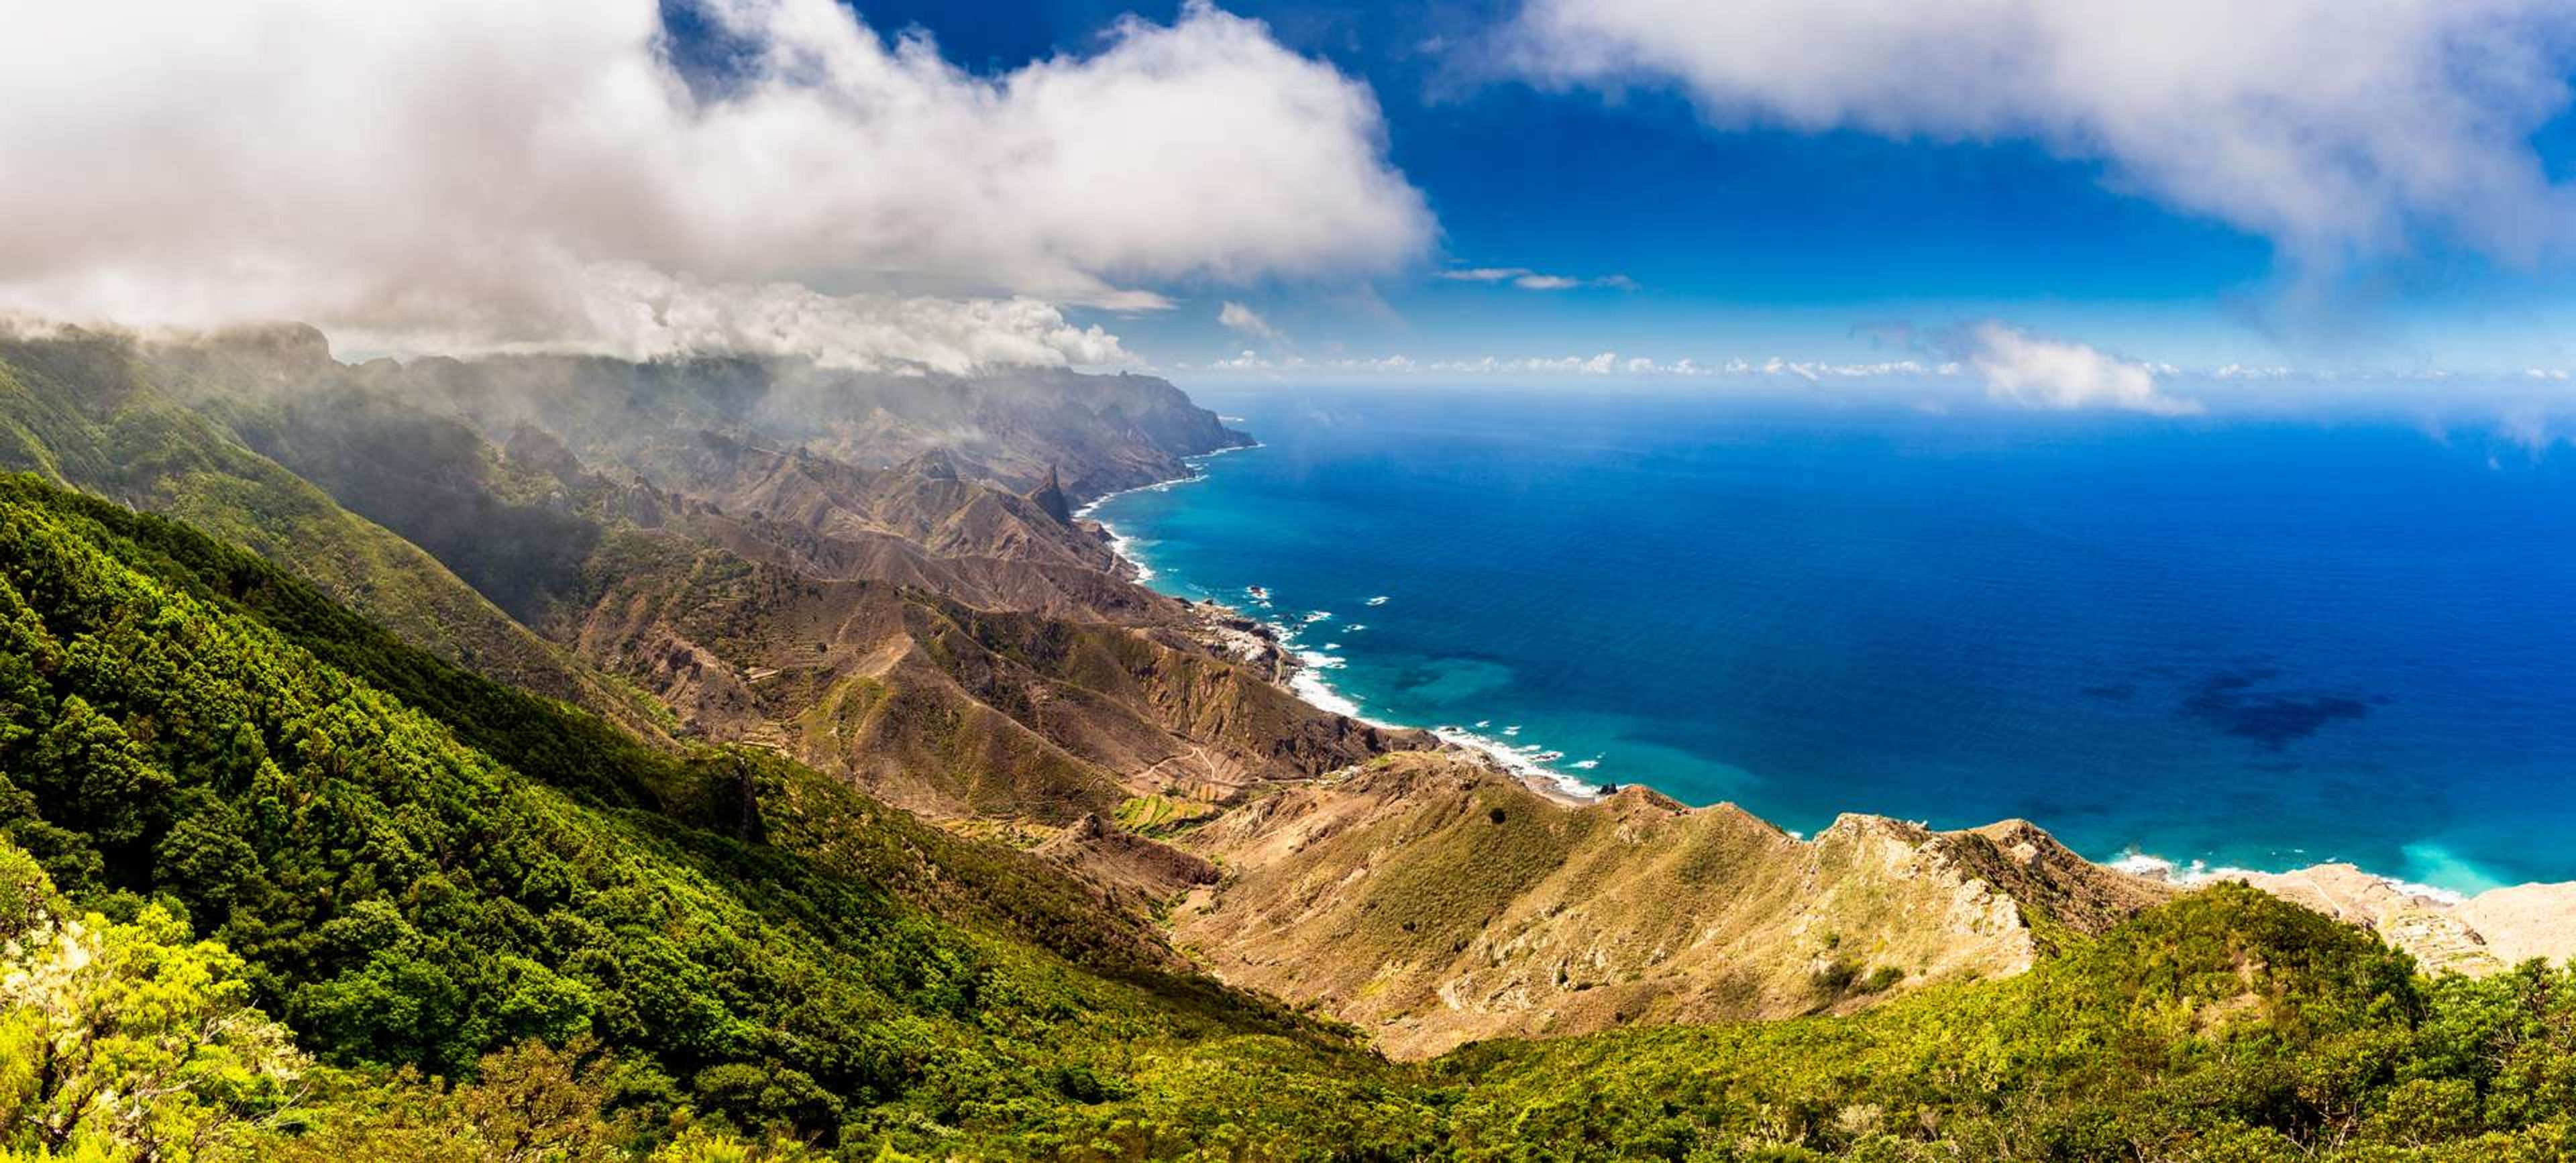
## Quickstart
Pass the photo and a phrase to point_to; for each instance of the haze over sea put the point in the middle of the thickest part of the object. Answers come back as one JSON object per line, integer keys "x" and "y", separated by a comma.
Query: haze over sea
{"x": 2254, "y": 643}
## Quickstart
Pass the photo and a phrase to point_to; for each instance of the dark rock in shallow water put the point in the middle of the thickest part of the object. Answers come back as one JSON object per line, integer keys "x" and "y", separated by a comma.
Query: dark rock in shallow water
{"x": 2228, "y": 701}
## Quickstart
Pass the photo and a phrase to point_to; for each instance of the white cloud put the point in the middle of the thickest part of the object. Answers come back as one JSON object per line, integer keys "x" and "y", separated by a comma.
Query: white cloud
{"x": 2336, "y": 127}
{"x": 639, "y": 312}
{"x": 2024, "y": 369}
{"x": 485, "y": 171}
{"x": 1239, "y": 318}
{"x": 1604, "y": 363}
{"x": 1530, "y": 280}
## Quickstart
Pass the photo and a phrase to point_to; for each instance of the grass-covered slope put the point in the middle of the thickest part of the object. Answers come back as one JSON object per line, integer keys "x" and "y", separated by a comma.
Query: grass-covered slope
{"x": 1435, "y": 901}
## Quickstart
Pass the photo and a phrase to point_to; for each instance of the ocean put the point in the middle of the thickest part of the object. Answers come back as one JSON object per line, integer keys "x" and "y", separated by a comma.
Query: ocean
{"x": 2230, "y": 643}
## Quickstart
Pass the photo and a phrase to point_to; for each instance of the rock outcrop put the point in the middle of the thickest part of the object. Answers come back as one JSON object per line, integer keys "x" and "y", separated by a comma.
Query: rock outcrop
{"x": 1050, "y": 498}
{"x": 2486, "y": 933}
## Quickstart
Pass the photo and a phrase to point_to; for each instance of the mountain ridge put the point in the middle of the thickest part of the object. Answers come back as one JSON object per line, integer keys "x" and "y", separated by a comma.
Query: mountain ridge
{"x": 948, "y": 837}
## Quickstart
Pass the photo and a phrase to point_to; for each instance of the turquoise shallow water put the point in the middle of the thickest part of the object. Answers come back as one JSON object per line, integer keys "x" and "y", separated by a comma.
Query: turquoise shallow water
{"x": 2248, "y": 644}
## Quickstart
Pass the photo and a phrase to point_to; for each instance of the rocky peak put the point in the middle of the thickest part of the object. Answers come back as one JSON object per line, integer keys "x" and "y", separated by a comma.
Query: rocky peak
{"x": 935, "y": 465}
{"x": 1050, "y": 498}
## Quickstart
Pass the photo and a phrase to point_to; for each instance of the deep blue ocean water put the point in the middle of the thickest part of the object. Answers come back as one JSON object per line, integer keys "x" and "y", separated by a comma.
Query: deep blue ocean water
{"x": 2256, "y": 644}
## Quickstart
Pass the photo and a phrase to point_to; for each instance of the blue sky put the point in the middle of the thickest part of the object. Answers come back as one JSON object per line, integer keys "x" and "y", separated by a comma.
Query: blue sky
{"x": 1752, "y": 240}
{"x": 2063, "y": 205}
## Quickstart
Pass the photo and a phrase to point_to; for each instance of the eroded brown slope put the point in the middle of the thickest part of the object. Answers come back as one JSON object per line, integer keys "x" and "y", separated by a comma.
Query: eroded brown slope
{"x": 917, "y": 524}
{"x": 944, "y": 708}
{"x": 1436, "y": 902}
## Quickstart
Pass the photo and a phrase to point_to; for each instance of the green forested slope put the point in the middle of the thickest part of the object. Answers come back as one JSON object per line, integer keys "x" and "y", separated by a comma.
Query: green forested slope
{"x": 317, "y": 919}
{"x": 398, "y": 897}
{"x": 91, "y": 412}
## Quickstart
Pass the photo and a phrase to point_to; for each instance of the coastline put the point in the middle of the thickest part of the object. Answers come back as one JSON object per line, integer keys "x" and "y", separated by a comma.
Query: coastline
{"x": 1528, "y": 763}
{"x": 1307, "y": 681}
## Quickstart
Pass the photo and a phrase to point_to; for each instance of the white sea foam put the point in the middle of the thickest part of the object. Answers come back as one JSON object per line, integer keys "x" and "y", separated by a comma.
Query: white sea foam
{"x": 2199, "y": 872}
{"x": 1322, "y": 661}
{"x": 1484, "y": 722}
{"x": 1319, "y": 616}
{"x": 1514, "y": 729}
{"x": 1379, "y": 600}
{"x": 1307, "y": 685}
{"x": 2410, "y": 888}
{"x": 1521, "y": 763}
{"x": 1354, "y": 628}
{"x": 1125, "y": 547}
{"x": 1584, "y": 764}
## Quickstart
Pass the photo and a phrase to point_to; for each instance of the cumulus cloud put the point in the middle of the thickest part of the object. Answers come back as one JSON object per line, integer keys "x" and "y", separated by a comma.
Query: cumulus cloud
{"x": 494, "y": 173}
{"x": 1244, "y": 320}
{"x": 2025, "y": 369}
{"x": 1530, "y": 280}
{"x": 2339, "y": 128}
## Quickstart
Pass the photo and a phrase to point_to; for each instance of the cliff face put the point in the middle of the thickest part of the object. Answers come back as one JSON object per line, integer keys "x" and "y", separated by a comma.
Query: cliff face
{"x": 1435, "y": 902}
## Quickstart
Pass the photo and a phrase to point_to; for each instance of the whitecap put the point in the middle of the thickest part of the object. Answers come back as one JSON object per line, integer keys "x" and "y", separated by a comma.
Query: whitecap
{"x": 2200, "y": 872}
{"x": 1379, "y": 600}
{"x": 1521, "y": 763}
{"x": 1308, "y": 686}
